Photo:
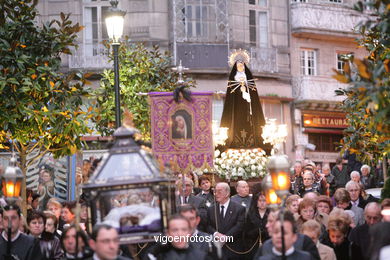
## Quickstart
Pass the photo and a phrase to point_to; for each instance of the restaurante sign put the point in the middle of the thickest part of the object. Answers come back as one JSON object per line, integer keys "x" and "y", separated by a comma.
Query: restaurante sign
{"x": 324, "y": 121}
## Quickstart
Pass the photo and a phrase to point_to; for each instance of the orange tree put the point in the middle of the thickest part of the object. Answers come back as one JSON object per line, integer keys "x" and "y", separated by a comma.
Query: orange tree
{"x": 367, "y": 100}
{"x": 40, "y": 108}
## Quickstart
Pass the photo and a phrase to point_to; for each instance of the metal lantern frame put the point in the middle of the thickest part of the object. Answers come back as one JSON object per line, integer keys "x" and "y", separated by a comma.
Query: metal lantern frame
{"x": 118, "y": 173}
{"x": 12, "y": 180}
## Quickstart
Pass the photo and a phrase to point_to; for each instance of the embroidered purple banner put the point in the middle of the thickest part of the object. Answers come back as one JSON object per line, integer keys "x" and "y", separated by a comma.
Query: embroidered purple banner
{"x": 181, "y": 132}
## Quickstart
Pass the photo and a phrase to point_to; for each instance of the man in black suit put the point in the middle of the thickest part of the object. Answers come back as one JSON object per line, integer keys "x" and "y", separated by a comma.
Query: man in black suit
{"x": 360, "y": 235}
{"x": 23, "y": 247}
{"x": 105, "y": 243}
{"x": 186, "y": 197}
{"x": 226, "y": 218}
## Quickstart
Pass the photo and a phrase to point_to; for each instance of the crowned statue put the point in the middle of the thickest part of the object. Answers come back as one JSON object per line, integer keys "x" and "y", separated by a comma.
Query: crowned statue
{"x": 242, "y": 112}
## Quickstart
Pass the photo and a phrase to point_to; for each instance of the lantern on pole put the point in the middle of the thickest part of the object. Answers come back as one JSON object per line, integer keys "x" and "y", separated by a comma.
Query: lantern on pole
{"x": 12, "y": 180}
{"x": 278, "y": 167}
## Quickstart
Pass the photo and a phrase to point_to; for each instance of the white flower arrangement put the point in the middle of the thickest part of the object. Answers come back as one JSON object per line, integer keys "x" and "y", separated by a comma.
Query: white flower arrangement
{"x": 240, "y": 163}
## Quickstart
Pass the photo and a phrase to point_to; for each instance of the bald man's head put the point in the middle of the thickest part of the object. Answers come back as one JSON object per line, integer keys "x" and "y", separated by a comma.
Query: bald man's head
{"x": 372, "y": 213}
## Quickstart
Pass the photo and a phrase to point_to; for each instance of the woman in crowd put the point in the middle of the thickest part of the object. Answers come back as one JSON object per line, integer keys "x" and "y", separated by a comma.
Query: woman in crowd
{"x": 324, "y": 204}
{"x": 52, "y": 224}
{"x": 292, "y": 203}
{"x": 55, "y": 206}
{"x": 71, "y": 247}
{"x": 255, "y": 230}
{"x": 312, "y": 229}
{"x": 307, "y": 210}
{"x": 338, "y": 229}
{"x": 49, "y": 243}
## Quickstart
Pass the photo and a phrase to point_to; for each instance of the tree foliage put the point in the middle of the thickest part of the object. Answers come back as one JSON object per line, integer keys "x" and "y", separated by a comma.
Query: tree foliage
{"x": 367, "y": 100}
{"x": 39, "y": 106}
{"x": 141, "y": 70}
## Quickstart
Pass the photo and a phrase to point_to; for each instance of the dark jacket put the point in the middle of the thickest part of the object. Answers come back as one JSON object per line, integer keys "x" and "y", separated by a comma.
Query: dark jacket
{"x": 165, "y": 252}
{"x": 230, "y": 225}
{"x": 50, "y": 246}
{"x": 303, "y": 243}
{"x": 209, "y": 197}
{"x": 255, "y": 232}
{"x": 360, "y": 242}
{"x": 24, "y": 247}
{"x": 342, "y": 251}
{"x": 296, "y": 255}
{"x": 118, "y": 258}
{"x": 341, "y": 177}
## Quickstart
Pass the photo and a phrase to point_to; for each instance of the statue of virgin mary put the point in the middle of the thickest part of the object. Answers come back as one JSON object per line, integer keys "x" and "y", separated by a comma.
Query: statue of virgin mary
{"x": 242, "y": 111}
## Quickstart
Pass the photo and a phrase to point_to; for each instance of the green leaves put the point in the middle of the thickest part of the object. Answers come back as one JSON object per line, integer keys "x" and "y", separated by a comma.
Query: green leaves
{"x": 368, "y": 100}
{"x": 141, "y": 70}
{"x": 38, "y": 103}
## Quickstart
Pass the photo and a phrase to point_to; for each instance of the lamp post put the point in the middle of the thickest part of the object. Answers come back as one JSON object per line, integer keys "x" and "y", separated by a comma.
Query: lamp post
{"x": 114, "y": 24}
{"x": 12, "y": 182}
{"x": 277, "y": 185}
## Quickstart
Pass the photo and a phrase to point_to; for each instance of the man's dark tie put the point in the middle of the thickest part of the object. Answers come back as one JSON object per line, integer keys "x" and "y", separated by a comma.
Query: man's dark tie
{"x": 186, "y": 200}
{"x": 222, "y": 211}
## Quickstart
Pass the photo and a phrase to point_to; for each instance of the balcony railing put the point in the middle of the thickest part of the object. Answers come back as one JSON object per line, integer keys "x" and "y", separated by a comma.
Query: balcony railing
{"x": 89, "y": 57}
{"x": 264, "y": 60}
{"x": 316, "y": 88}
{"x": 324, "y": 17}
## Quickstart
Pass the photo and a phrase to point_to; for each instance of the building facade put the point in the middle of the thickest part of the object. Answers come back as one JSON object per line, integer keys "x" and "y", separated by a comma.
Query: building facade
{"x": 321, "y": 38}
{"x": 293, "y": 47}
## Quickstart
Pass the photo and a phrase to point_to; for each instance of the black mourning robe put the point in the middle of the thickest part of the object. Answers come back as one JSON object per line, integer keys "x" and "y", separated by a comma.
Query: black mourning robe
{"x": 244, "y": 128}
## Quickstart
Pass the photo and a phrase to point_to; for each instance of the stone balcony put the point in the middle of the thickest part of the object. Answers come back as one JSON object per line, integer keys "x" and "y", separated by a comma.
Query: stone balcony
{"x": 324, "y": 19}
{"x": 316, "y": 88}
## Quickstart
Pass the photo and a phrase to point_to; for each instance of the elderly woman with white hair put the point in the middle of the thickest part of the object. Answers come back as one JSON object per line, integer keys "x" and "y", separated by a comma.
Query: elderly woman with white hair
{"x": 367, "y": 179}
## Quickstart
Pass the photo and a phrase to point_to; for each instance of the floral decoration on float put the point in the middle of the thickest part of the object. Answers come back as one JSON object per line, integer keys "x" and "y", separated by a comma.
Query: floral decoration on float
{"x": 244, "y": 164}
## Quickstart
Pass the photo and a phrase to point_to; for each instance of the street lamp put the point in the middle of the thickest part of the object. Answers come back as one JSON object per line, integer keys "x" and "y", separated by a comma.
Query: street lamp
{"x": 278, "y": 167}
{"x": 277, "y": 185}
{"x": 114, "y": 23}
{"x": 12, "y": 182}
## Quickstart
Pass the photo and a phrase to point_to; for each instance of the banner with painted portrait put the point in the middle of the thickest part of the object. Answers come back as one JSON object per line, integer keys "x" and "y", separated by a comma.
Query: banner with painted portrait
{"x": 181, "y": 132}
{"x": 48, "y": 177}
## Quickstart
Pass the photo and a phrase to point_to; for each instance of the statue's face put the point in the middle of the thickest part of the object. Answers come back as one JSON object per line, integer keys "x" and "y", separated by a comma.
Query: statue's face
{"x": 240, "y": 67}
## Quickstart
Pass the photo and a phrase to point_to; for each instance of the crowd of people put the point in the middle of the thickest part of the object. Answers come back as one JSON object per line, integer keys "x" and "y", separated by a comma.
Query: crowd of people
{"x": 327, "y": 215}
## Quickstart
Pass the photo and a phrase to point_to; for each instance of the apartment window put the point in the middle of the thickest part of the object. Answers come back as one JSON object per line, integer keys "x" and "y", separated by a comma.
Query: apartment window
{"x": 308, "y": 62}
{"x": 299, "y": 1}
{"x": 263, "y": 29}
{"x": 342, "y": 58}
{"x": 336, "y": 1}
{"x": 200, "y": 19}
{"x": 325, "y": 142}
{"x": 252, "y": 27}
{"x": 95, "y": 31}
{"x": 262, "y": 3}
